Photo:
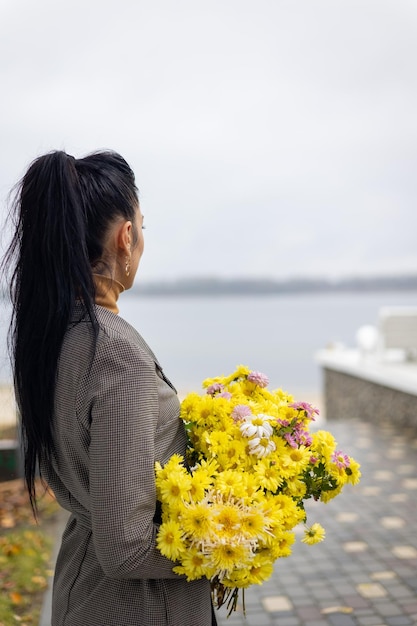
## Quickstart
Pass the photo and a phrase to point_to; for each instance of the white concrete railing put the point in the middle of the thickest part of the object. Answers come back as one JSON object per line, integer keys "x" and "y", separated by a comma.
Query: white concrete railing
{"x": 390, "y": 372}
{"x": 397, "y": 329}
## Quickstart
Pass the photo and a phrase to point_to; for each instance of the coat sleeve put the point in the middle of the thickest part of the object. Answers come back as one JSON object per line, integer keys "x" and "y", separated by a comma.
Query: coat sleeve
{"x": 124, "y": 418}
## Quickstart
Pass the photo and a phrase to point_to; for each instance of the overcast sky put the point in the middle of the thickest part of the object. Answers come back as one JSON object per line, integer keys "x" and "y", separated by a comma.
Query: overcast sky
{"x": 270, "y": 138}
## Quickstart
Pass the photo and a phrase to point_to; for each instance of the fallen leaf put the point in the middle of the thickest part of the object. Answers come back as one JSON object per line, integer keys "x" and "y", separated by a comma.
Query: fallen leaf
{"x": 16, "y": 597}
{"x": 337, "y": 609}
{"x": 12, "y": 549}
{"x": 7, "y": 521}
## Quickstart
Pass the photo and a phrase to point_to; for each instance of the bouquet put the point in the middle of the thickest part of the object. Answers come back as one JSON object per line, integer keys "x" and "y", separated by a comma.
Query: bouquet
{"x": 229, "y": 508}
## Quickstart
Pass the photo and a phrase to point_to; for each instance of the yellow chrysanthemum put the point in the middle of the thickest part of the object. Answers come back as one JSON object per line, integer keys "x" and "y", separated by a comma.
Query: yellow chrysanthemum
{"x": 204, "y": 411}
{"x": 297, "y": 516}
{"x": 276, "y": 507}
{"x": 189, "y": 406}
{"x": 197, "y": 520}
{"x": 217, "y": 442}
{"x": 175, "y": 463}
{"x": 323, "y": 443}
{"x": 193, "y": 564}
{"x": 173, "y": 512}
{"x": 233, "y": 456}
{"x": 268, "y": 474}
{"x": 295, "y": 488}
{"x": 201, "y": 480}
{"x": 326, "y": 496}
{"x": 237, "y": 578}
{"x": 212, "y": 381}
{"x": 241, "y": 372}
{"x": 337, "y": 473}
{"x": 280, "y": 543}
{"x": 175, "y": 487}
{"x": 229, "y": 482}
{"x": 227, "y": 555}
{"x": 253, "y": 523}
{"x": 253, "y": 492}
{"x": 314, "y": 534}
{"x": 260, "y": 570}
{"x": 227, "y": 519}
{"x": 353, "y": 472}
{"x": 170, "y": 540}
{"x": 294, "y": 461}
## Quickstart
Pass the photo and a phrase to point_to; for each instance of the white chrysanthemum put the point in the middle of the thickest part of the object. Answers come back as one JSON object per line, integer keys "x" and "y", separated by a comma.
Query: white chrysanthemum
{"x": 261, "y": 446}
{"x": 256, "y": 426}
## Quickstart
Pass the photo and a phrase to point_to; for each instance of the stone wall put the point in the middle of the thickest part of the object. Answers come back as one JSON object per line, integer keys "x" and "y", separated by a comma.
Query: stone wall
{"x": 349, "y": 397}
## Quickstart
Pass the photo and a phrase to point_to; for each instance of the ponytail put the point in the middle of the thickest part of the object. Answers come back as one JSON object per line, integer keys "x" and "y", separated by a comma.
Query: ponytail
{"x": 63, "y": 208}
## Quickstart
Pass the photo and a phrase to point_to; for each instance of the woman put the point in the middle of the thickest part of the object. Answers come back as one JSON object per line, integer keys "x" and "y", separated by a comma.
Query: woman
{"x": 96, "y": 409}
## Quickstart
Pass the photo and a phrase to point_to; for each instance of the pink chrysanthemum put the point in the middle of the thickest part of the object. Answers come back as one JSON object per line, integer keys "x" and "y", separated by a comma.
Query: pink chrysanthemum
{"x": 309, "y": 409}
{"x": 259, "y": 379}
{"x": 303, "y": 437}
{"x": 241, "y": 412}
{"x": 289, "y": 438}
{"x": 340, "y": 459}
{"x": 225, "y": 394}
{"x": 215, "y": 388}
{"x": 283, "y": 422}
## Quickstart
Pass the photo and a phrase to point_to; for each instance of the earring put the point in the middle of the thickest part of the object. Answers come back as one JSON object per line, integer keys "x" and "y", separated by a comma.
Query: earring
{"x": 127, "y": 266}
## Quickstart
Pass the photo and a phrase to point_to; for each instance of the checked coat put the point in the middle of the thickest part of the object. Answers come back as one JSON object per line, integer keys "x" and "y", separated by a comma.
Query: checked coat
{"x": 115, "y": 415}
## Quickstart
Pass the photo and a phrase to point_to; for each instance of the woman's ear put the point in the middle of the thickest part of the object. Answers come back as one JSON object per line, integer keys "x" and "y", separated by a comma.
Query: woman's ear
{"x": 124, "y": 238}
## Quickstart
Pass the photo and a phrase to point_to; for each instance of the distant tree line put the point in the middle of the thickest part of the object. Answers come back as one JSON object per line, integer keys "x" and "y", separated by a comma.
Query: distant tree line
{"x": 247, "y": 286}
{"x": 259, "y": 287}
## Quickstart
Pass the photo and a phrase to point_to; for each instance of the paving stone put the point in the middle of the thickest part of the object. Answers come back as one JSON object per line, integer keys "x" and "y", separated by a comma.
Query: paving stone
{"x": 400, "y": 592}
{"x": 384, "y": 575}
{"x": 394, "y": 453}
{"x": 372, "y": 590}
{"x": 355, "y": 546}
{"x": 389, "y": 609}
{"x": 405, "y": 469}
{"x": 398, "y": 497}
{"x": 309, "y": 613}
{"x": 405, "y": 552}
{"x": 364, "y": 612}
{"x": 371, "y": 491}
{"x": 347, "y": 517}
{"x": 409, "y": 483}
{"x": 370, "y": 621}
{"x": 296, "y": 591}
{"x": 288, "y": 621}
{"x": 324, "y": 594}
{"x": 258, "y": 619}
{"x": 398, "y": 621}
{"x": 344, "y": 588}
{"x": 392, "y": 522}
{"x": 301, "y": 601}
{"x": 273, "y": 604}
{"x": 341, "y": 619}
{"x": 356, "y": 602}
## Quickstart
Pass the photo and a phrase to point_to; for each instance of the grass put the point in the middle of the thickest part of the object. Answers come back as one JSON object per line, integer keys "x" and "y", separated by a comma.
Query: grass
{"x": 25, "y": 553}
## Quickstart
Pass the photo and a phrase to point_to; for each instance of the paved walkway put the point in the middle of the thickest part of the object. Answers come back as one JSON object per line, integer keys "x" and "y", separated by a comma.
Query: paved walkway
{"x": 365, "y": 572}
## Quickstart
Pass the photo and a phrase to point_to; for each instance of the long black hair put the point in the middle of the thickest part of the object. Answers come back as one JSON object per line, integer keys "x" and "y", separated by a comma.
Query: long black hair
{"x": 62, "y": 209}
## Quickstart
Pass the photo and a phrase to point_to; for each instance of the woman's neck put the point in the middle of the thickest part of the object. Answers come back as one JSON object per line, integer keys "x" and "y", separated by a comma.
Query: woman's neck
{"x": 107, "y": 291}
